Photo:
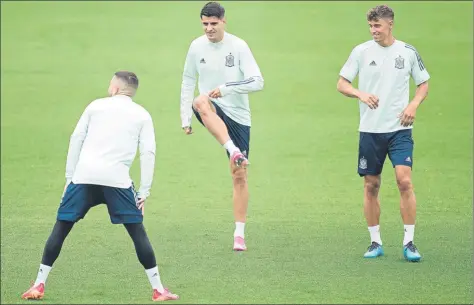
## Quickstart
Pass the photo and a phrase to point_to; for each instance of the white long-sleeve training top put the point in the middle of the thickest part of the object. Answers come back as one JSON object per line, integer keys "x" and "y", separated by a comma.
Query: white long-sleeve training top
{"x": 228, "y": 65}
{"x": 105, "y": 141}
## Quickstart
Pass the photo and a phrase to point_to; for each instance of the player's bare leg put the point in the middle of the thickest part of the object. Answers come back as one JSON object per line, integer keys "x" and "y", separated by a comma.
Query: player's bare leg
{"x": 217, "y": 128}
{"x": 407, "y": 210}
{"x": 240, "y": 199}
{"x": 371, "y": 200}
{"x": 407, "y": 195}
{"x": 372, "y": 214}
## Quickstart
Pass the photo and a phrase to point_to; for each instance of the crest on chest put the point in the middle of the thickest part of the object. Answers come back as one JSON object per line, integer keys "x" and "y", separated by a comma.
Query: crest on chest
{"x": 399, "y": 62}
{"x": 229, "y": 60}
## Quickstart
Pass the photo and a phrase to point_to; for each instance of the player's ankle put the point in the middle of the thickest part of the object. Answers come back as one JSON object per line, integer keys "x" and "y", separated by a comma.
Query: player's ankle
{"x": 409, "y": 234}
{"x": 239, "y": 229}
{"x": 375, "y": 234}
{"x": 230, "y": 147}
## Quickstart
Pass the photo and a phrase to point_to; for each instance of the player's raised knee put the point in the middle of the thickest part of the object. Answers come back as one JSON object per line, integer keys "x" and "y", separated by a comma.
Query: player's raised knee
{"x": 202, "y": 104}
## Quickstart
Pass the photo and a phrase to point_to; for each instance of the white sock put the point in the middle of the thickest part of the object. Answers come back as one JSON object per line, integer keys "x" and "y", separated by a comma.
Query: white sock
{"x": 409, "y": 234}
{"x": 231, "y": 148}
{"x": 375, "y": 234}
{"x": 154, "y": 278}
{"x": 239, "y": 229}
{"x": 43, "y": 273}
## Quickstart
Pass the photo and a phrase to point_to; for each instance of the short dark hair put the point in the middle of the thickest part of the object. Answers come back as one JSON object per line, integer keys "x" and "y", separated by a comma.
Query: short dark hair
{"x": 128, "y": 78}
{"x": 379, "y": 12}
{"x": 213, "y": 9}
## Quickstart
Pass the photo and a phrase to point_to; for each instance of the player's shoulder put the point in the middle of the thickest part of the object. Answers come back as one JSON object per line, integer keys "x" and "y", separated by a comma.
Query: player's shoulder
{"x": 409, "y": 48}
{"x": 139, "y": 110}
{"x": 98, "y": 102}
{"x": 403, "y": 44}
{"x": 199, "y": 41}
{"x": 235, "y": 40}
{"x": 143, "y": 110}
{"x": 361, "y": 47}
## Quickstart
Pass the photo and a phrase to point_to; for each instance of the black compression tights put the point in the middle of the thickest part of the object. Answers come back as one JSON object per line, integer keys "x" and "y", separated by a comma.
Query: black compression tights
{"x": 61, "y": 229}
{"x": 55, "y": 241}
{"x": 145, "y": 253}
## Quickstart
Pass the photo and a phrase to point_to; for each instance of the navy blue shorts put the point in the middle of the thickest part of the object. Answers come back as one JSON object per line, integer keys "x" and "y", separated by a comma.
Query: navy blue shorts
{"x": 374, "y": 147}
{"x": 79, "y": 198}
{"x": 239, "y": 134}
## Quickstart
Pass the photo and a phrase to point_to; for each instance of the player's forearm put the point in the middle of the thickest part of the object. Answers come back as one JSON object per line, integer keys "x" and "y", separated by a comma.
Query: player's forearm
{"x": 75, "y": 146}
{"x": 420, "y": 94}
{"x": 147, "y": 168}
{"x": 346, "y": 88}
{"x": 187, "y": 93}
{"x": 251, "y": 84}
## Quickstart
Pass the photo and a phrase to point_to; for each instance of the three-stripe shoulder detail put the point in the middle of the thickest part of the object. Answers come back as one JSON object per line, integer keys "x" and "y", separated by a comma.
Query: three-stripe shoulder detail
{"x": 421, "y": 65}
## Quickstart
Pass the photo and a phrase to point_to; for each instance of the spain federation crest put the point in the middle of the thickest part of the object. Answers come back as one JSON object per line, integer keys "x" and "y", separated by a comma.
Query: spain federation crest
{"x": 229, "y": 60}
{"x": 399, "y": 62}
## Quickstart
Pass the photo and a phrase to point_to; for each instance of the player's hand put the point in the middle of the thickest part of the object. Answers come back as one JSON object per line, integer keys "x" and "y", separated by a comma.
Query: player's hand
{"x": 188, "y": 130}
{"x": 141, "y": 205}
{"x": 407, "y": 117}
{"x": 369, "y": 99}
{"x": 215, "y": 93}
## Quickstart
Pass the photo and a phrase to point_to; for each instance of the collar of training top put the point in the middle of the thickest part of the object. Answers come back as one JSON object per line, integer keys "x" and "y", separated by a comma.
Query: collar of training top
{"x": 219, "y": 43}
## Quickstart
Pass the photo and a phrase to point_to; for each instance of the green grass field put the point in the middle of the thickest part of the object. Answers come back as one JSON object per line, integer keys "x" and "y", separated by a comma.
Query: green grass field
{"x": 306, "y": 232}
